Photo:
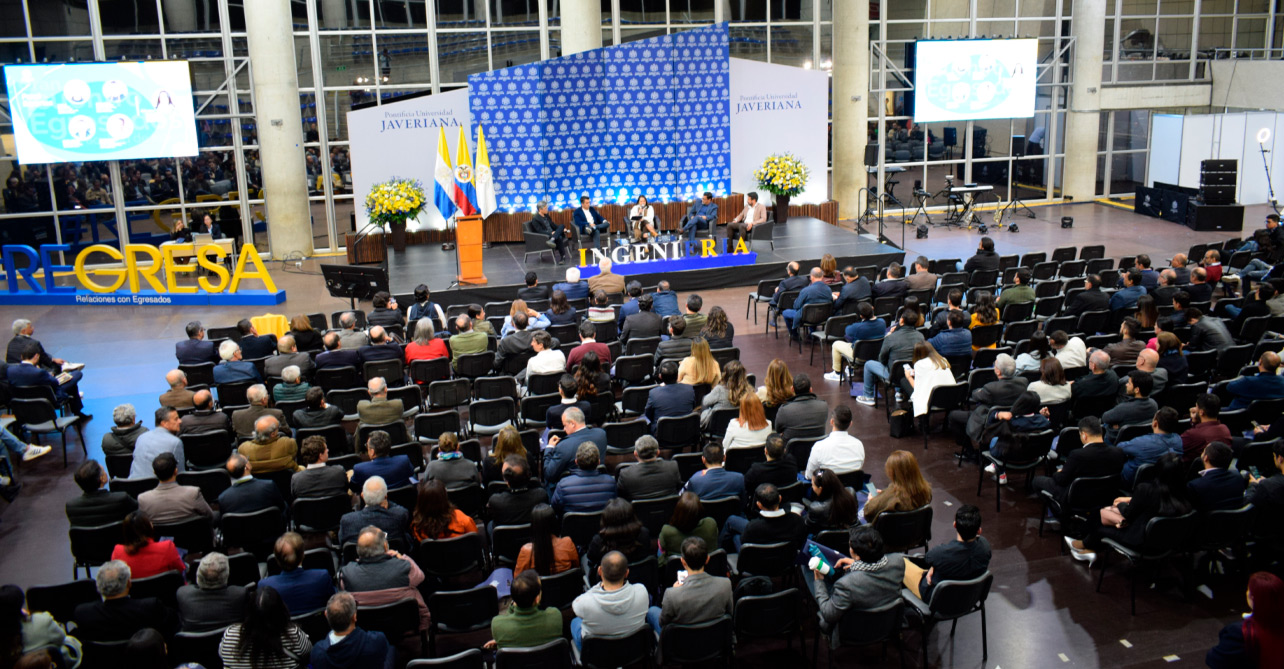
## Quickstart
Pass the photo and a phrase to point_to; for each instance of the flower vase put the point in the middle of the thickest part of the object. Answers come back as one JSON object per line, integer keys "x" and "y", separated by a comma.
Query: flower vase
{"x": 398, "y": 235}
{"x": 782, "y": 208}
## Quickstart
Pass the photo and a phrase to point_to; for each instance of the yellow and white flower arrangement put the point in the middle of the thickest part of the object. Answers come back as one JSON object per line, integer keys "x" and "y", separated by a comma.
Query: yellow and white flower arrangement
{"x": 396, "y": 200}
{"x": 782, "y": 174}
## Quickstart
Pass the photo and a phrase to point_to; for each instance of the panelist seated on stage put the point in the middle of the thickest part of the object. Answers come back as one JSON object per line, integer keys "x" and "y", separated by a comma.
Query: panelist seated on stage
{"x": 702, "y": 215}
{"x": 754, "y": 213}
{"x": 541, "y": 223}
{"x": 642, "y": 219}
{"x": 205, "y": 225}
{"x": 589, "y": 222}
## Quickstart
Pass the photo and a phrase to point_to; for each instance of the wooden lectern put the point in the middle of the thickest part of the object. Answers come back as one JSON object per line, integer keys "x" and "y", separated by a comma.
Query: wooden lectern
{"x": 468, "y": 245}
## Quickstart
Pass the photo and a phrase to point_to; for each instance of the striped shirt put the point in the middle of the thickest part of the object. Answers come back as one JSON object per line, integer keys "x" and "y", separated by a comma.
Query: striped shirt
{"x": 296, "y": 644}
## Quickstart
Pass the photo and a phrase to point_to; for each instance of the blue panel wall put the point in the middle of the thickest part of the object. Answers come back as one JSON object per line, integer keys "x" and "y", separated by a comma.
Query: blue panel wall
{"x": 650, "y": 117}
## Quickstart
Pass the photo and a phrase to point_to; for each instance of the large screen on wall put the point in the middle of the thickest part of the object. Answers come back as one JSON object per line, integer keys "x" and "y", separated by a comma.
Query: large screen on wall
{"x": 75, "y": 112}
{"x": 968, "y": 80}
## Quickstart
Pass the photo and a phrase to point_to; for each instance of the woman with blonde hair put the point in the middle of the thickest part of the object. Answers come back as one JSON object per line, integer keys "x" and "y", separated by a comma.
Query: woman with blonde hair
{"x": 907, "y": 491}
{"x": 751, "y": 428}
{"x": 699, "y": 367}
{"x": 780, "y": 384}
{"x": 726, "y": 395}
{"x": 534, "y": 319}
{"x": 930, "y": 369}
{"x": 507, "y": 442}
{"x": 829, "y": 265}
{"x": 306, "y": 338}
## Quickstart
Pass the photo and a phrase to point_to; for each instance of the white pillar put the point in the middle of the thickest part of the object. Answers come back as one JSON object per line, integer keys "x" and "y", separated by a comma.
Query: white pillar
{"x": 721, "y": 10}
{"x": 479, "y": 9}
{"x": 581, "y": 26}
{"x": 1083, "y": 122}
{"x": 180, "y": 15}
{"x": 270, "y": 34}
{"x": 851, "y": 104}
{"x": 334, "y": 14}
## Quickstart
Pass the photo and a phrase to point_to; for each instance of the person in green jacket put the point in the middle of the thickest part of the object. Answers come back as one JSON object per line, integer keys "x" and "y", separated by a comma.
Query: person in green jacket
{"x": 467, "y": 341}
{"x": 1019, "y": 293}
{"x": 524, "y": 624}
{"x": 688, "y": 520}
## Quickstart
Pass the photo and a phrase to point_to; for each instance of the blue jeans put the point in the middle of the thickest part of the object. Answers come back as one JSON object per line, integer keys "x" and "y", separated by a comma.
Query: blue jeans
{"x": 692, "y": 225}
{"x": 12, "y": 443}
{"x": 790, "y": 315}
{"x": 577, "y": 626}
{"x": 597, "y": 231}
{"x": 1255, "y": 270}
{"x": 874, "y": 368}
{"x": 732, "y": 530}
{"x": 1233, "y": 311}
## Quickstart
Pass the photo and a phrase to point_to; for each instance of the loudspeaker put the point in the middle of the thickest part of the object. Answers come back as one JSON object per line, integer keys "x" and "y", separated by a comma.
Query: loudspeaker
{"x": 1218, "y": 194}
{"x": 951, "y": 137}
{"x": 1202, "y": 216}
{"x": 871, "y": 154}
{"x": 1222, "y": 165}
{"x": 1217, "y": 178}
{"x": 1067, "y": 222}
{"x": 921, "y": 231}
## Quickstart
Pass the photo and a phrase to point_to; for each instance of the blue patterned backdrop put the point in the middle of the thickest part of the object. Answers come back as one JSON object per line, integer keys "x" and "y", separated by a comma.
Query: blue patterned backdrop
{"x": 650, "y": 116}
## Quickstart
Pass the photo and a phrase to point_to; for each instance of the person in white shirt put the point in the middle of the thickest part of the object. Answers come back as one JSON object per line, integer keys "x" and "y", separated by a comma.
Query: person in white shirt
{"x": 839, "y": 452}
{"x": 1051, "y": 386}
{"x": 547, "y": 359}
{"x": 642, "y": 219}
{"x": 751, "y": 428}
{"x": 931, "y": 369}
{"x": 1070, "y": 351}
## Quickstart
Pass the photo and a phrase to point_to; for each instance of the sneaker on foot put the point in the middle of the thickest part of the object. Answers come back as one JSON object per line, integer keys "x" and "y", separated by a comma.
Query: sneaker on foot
{"x": 33, "y": 451}
{"x": 867, "y": 401}
{"x": 1003, "y": 479}
{"x": 989, "y": 469}
{"x": 5, "y": 480}
{"x": 899, "y": 397}
{"x": 833, "y": 376}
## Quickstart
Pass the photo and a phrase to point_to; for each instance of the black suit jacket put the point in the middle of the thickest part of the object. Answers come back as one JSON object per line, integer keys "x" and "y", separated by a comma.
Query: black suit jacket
{"x": 648, "y": 480}
{"x": 1200, "y": 292}
{"x": 514, "y": 507}
{"x": 331, "y": 415}
{"x": 982, "y": 260}
{"x": 792, "y": 283}
{"x": 342, "y": 357}
{"x": 1105, "y": 384}
{"x": 789, "y": 527}
{"x": 890, "y": 288}
{"x": 257, "y": 346}
{"x": 195, "y": 352}
{"x": 377, "y": 352}
{"x": 1000, "y": 393}
{"x": 1094, "y": 460}
{"x": 642, "y": 324}
{"x": 319, "y": 482}
{"x": 13, "y": 355}
{"x": 1217, "y": 489}
{"x": 673, "y": 349}
{"x": 779, "y": 473}
{"x": 1088, "y": 300}
{"x": 205, "y": 421}
{"x": 99, "y": 508}
{"x": 853, "y": 291}
{"x": 534, "y": 293}
{"x": 673, "y": 400}
{"x": 250, "y": 496}
{"x": 119, "y": 619}
{"x": 515, "y": 343}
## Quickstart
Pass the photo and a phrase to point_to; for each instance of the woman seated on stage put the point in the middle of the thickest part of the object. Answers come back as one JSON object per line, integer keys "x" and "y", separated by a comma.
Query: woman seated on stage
{"x": 642, "y": 219}
{"x": 535, "y": 320}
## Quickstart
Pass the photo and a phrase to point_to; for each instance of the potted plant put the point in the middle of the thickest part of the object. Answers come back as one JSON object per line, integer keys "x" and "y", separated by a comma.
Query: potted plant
{"x": 784, "y": 176}
{"x": 393, "y": 202}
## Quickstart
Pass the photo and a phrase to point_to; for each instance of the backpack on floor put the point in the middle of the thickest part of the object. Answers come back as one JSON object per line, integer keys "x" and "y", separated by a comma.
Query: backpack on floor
{"x": 901, "y": 424}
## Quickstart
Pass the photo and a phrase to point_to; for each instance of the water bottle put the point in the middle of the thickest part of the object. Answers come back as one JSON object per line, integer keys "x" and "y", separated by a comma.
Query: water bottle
{"x": 818, "y": 564}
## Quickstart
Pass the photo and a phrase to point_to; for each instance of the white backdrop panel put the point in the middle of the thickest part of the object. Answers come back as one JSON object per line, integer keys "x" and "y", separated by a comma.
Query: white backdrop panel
{"x": 1165, "y": 148}
{"x": 399, "y": 139}
{"x": 1196, "y": 145}
{"x": 775, "y": 109}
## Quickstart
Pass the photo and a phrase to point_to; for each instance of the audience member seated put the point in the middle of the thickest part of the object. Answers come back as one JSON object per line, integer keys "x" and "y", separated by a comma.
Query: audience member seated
{"x": 170, "y": 503}
{"x": 568, "y": 388}
{"x": 953, "y": 302}
{"x": 302, "y": 590}
{"x": 1135, "y": 410}
{"x": 1070, "y": 351}
{"x": 614, "y": 608}
{"x": 467, "y": 341}
{"x": 1095, "y": 458}
{"x": 317, "y": 413}
{"x": 1266, "y": 384}
{"x": 750, "y": 428}
{"x": 677, "y": 346}
{"x": 517, "y": 343}
{"x": 546, "y": 553}
{"x": 1207, "y": 333}
{"x": 699, "y": 368}
{"x": 832, "y": 506}
{"x": 29, "y": 373}
{"x": 349, "y": 336}
{"x": 779, "y": 469}
{"x": 600, "y": 309}
{"x": 620, "y": 531}
{"x": 816, "y": 292}
{"x": 507, "y": 443}
{"x": 288, "y": 355}
{"x": 142, "y": 552}
{"x": 894, "y": 285}
{"x": 1255, "y": 306}
{"x": 1125, "y": 520}
{"x": 718, "y": 330}
{"x": 547, "y": 358}
{"x": 513, "y": 506}
{"x": 1004, "y": 431}
{"x": 480, "y": 322}
{"x": 533, "y": 290}
{"x": 275, "y": 641}
{"x": 1149, "y": 448}
{"x": 211, "y": 603}
{"x": 1021, "y": 293}
{"x": 688, "y": 520}
{"x": 651, "y": 477}
{"x": 381, "y": 575}
{"x": 964, "y": 558}
{"x": 436, "y": 517}
{"x": 644, "y": 323}
{"x": 1205, "y": 428}
{"x": 348, "y": 646}
{"x": 385, "y": 311}
{"x": 254, "y": 345}
{"x": 572, "y": 288}
{"x": 1126, "y": 297}
{"x": 1002, "y": 391}
{"x": 317, "y": 479}
{"x": 233, "y": 369}
{"x": 292, "y": 387}
{"x": 588, "y": 342}
{"x": 956, "y": 340}
{"x": 700, "y": 597}
{"x": 450, "y": 466}
{"x": 178, "y": 396}
{"x": 205, "y": 418}
{"x": 523, "y": 624}
{"x": 984, "y": 258}
{"x": 124, "y": 434}
{"x": 244, "y": 420}
{"x": 247, "y": 494}
{"x": 907, "y": 489}
{"x": 1100, "y": 381}
{"x": 377, "y": 512}
{"x": 97, "y": 505}
{"x": 160, "y": 439}
{"x": 898, "y": 344}
{"x": 586, "y": 489}
{"x": 865, "y": 328}
{"x": 804, "y": 415}
{"x": 379, "y": 410}
{"x": 1168, "y": 285}
{"x": 984, "y": 313}
{"x": 534, "y": 319}
{"x": 270, "y": 451}
{"x": 1216, "y": 487}
{"x": 336, "y": 356}
{"x": 668, "y": 399}
{"x": 715, "y": 481}
{"x": 426, "y": 345}
{"x": 590, "y": 378}
{"x": 870, "y": 578}
{"x": 1256, "y": 640}
{"x": 1171, "y": 358}
{"x": 195, "y": 350}
{"x": 1125, "y": 352}
{"x": 118, "y": 615}
{"x": 560, "y": 453}
{"x": 838, "y": 452}
{"x": 381, "y": 347}
{"x": 1148, "y": 362}
{"x": 930, "y": 370}
{"x": 691, "y": 314}
{"x": 772, "y": 526}
{"x": 306, "y": 338}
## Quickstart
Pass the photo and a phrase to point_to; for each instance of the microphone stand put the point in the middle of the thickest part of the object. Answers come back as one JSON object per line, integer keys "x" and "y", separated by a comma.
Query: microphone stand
{"x": 1269, "y": 187}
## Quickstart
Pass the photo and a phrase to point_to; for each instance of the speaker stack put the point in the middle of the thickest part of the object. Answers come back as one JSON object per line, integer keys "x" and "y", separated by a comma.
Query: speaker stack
{"x": 1215, "y": 207}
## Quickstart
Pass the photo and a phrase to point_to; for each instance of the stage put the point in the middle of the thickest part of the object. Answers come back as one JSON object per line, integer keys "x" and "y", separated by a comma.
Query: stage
{"x": 803, "y": 239}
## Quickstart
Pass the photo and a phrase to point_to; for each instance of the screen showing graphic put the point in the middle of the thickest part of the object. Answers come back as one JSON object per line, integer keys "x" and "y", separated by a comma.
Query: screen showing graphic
{"x": 968, "y": 80}
{"x": 101, "y": 111}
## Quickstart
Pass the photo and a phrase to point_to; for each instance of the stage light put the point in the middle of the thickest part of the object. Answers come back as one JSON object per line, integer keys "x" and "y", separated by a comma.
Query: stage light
{"x": 984, "y": 229}
{"x": 1014, "y": 228}
{"x": 807, "y": 65}
{"x": 1067, "y": 222}
{"x": 1263, "y": 135}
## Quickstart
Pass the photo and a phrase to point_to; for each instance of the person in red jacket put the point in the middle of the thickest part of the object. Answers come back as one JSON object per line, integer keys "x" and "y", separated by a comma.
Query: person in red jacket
{"x": 143, "y": 553}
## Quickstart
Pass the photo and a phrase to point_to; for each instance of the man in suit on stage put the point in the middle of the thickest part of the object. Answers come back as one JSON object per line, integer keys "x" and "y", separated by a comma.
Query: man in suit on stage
{"x": 754, "y": 213}
{"x": 589, "y": 222}
{"x": 542, "y": 223}
{"x": 702, "y": 215}
{"x": 195, "y": 350}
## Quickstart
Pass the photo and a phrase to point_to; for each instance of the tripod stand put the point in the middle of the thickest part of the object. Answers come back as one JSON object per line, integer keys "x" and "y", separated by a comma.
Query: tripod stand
{"x": 870, "y": 213}
{"x": 1013, "y": 204}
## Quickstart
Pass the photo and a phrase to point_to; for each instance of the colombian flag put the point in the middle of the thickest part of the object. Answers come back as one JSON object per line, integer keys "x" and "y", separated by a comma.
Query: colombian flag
{"x": 465, "y": 193}
{"x": 444, "y": 178}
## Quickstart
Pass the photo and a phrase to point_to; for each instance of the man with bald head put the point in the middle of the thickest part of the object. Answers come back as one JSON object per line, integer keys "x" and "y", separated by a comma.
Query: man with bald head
{"x": 247, "y": 494}
{"x": 793, "y": 281}
{"x": 379, "y": 410}
{"x": 205, "y": 418}
{"x": 1180, "y": 269}
{"x": 1167, "y": 287}
{"x": 1101, "y": 381}
{"x": 381, "y": 347}
{"x": 614, "y": 608}
{"x": 1148, "y": 361}
{"x": 270, "y": 451}
{"x": 243, "y": 420}
{"x": 817, "y": 292}
{"x": 1266, "y": 384}
{"x": 178, "y": 396}
{"x": 381, "y": 575}
{"x": 287, "y": 355}
{"x": 336, "y": 356}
